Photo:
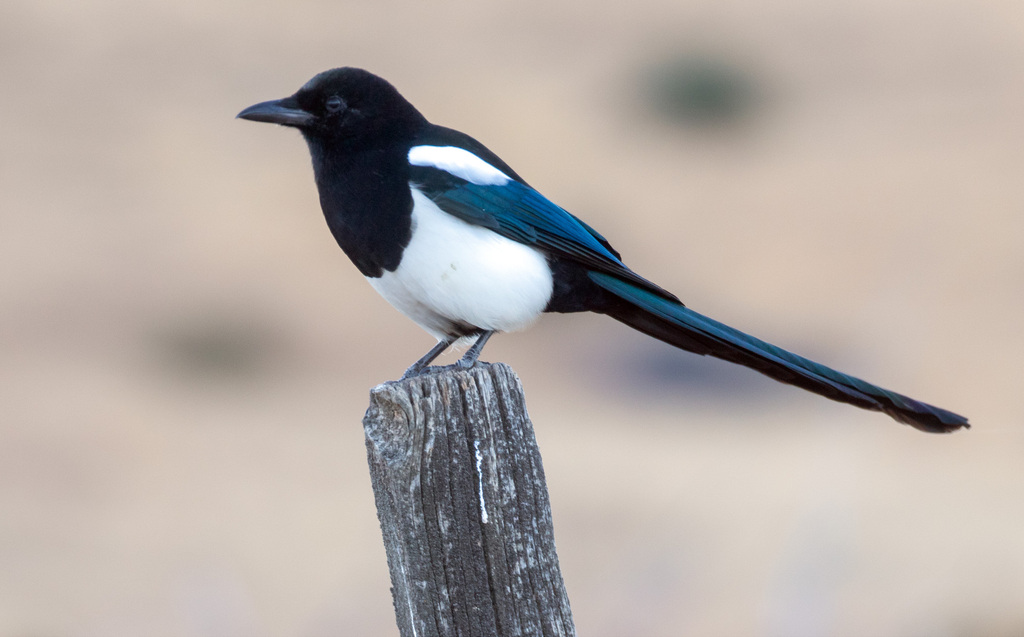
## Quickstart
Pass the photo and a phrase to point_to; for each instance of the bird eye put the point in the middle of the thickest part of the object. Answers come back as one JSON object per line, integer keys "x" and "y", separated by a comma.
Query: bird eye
{"x": 334, "y": 104}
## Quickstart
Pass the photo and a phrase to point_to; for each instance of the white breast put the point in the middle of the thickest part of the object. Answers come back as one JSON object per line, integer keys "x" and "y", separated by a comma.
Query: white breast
{"x": 456, "y": 274}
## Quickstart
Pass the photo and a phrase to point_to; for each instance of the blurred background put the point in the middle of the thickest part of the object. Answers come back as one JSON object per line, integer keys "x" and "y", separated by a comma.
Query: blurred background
{"x": 185, "y": 354}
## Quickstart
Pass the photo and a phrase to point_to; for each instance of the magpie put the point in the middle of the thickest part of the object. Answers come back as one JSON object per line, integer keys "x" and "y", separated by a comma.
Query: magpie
{"x": 457, "y": 241}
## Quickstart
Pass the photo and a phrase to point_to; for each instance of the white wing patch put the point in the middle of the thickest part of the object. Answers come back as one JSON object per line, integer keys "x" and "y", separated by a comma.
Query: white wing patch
{"x": 459, "y": 162}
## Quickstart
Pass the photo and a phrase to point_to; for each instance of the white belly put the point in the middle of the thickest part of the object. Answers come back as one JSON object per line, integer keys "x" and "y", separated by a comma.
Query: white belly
{"x": 454, "y": 274}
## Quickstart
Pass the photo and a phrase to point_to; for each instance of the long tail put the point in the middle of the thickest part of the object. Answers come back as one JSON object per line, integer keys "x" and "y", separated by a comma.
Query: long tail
{"x": 677, "y": 325}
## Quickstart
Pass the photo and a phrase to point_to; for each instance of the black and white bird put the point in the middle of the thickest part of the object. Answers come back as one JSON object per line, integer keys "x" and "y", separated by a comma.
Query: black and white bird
{"x": 457, "y": 241}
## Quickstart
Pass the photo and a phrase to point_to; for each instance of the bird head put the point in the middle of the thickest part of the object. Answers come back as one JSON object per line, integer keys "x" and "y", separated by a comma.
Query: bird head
{"x": 342, "y": 106}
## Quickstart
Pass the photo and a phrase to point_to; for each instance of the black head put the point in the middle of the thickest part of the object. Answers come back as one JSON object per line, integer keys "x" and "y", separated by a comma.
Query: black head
{"x": 345, "y": 105}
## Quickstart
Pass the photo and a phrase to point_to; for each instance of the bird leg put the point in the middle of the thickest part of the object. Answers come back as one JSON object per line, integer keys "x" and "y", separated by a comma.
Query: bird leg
{"x": 469, "y": 358}
{"x": 417, "y": 368}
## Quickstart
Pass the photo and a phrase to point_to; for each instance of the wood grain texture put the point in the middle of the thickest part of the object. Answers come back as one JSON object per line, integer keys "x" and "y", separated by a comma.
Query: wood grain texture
{"x": 463, "y": 506}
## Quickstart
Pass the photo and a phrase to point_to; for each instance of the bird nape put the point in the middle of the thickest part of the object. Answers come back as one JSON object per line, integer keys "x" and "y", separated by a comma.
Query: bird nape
{"x": 457, "y": 241}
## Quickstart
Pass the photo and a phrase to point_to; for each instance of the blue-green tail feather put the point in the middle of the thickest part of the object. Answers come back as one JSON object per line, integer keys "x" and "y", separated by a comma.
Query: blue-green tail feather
{"x": 670, "y": 321}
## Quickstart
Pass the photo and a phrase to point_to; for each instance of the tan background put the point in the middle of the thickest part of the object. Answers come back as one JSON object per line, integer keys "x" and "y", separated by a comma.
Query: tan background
{"x": 185, "y": 354}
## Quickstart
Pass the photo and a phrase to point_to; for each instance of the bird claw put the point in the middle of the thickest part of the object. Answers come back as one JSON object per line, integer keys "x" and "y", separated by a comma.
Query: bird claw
{"x": 422, "y": 366}
{"x": 413, "y": 372}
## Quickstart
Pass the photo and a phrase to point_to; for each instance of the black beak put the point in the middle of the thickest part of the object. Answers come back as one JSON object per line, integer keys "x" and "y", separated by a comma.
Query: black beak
{"x": 285, "y": 112}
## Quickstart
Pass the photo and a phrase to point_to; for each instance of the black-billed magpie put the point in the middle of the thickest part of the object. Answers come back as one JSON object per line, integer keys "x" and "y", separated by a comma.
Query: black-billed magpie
{"x": 457, "y": 241}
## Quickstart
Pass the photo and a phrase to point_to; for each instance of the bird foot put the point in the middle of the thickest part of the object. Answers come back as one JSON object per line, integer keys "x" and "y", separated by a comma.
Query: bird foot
{"x": 459, "y": 365}
{"x": 463, "y": 363}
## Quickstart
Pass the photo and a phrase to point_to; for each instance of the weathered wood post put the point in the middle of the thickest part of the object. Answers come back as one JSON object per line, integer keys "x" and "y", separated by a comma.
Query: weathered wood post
{"x": 463, "y": 506}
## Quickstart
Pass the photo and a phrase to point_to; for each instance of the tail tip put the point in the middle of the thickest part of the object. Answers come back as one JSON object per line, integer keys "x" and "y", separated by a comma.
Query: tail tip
{"x": 934, "y": 423}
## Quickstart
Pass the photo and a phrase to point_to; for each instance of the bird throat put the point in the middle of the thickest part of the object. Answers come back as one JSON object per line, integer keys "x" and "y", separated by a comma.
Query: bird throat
{"x": 365, "y": 198}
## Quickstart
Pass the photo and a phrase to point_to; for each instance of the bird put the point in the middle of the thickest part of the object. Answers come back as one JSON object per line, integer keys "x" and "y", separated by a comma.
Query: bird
{"x": 453, "y": 238}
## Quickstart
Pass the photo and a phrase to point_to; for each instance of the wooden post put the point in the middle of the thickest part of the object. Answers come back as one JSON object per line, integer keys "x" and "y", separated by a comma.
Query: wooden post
{"x": 463, "y": 506}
